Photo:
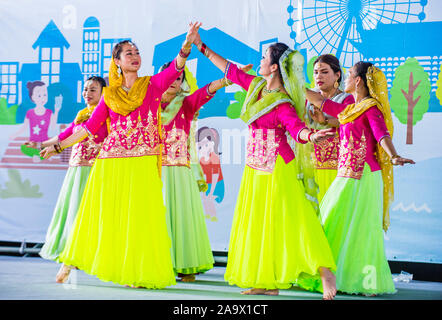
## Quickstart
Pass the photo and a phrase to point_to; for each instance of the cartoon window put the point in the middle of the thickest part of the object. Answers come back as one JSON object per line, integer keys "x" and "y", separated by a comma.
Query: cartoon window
{"x": 45, "y": 53}
{"x": 55, "y": 67}
{"x": 45, "y": 67}
{"x": 55, "y": 53}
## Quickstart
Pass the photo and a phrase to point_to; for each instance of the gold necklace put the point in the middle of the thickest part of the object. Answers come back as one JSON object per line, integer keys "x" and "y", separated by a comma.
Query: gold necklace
{"x": 266, "y": 91}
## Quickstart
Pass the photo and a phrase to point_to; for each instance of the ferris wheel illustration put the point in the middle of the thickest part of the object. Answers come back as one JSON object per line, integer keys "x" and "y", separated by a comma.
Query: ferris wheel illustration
{"x": 332, "y": 26}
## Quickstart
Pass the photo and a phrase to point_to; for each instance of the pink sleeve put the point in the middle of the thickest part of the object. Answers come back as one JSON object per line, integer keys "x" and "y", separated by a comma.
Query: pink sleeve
{"x": 377, "y": 123}
{"x": 238, "y": 76}
{"x": 193, "y": 102}
{"x": 97, "y": 119}
{"x": 289, "y": 119}
{"x": 66, "y": 132}
{"x": 334, "y": 108}
{"x": 162, "y": 80}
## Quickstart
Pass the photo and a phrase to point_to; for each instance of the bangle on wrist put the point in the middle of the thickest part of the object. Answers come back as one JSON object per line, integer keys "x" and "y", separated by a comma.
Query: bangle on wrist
{"x": 57, "y": 147}
{"x": 394, "y": 157}
{"x": 309, "y": 137}
{"x": 186, "y": 45}
{"x": 184, "y": 54}
{"x": 227, "y": 82}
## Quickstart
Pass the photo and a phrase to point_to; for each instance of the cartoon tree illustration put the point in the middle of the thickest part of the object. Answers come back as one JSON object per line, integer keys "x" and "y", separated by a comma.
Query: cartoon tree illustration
{"x": 410, "y": 94}
{"x": 439, "y": 86}
{"x": 7, "y": 114}
{"x": 310, "y": 82}
{"x": 16, "y": 188}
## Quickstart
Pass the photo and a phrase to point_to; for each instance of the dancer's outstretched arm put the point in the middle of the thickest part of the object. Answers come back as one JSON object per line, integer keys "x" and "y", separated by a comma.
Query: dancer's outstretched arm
{"x": 216, "y": 59}
{"x": 187, "y": 45}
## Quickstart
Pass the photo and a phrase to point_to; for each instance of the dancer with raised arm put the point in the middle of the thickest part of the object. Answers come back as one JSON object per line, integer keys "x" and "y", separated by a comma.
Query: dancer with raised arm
{"x": 120, "y": 232}
{"x": 276, "y": 237}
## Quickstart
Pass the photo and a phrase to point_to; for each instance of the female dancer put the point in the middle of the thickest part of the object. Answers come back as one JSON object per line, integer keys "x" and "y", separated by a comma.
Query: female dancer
{"x": 120, "y": 232}
{"x": 328, "y": 76}
{"x": 351, "y": 211}
{"x": 275, "y": 236}
{"x": 82, "y": 158}
{"x": 191, "y": 252}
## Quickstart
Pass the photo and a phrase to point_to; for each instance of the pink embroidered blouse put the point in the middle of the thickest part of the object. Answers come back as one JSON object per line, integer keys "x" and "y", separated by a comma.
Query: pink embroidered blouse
{"x": 267, "y": 134}
{"x": 136, "y": 134}
{"x": 327, "y": 152}
{"x": 359, "y": 139}
{"x": 176, "y": 132}
{"x": 86, "y": 151}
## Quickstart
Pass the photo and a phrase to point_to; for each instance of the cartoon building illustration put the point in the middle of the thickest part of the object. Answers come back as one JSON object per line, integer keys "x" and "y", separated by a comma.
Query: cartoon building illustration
{"x": 9, "y": 82}
{"x": 64, "y": 82}
{"x": 91, "y": 48}
{"x": 96, "y": 52}
{"x": 61, "y": 77}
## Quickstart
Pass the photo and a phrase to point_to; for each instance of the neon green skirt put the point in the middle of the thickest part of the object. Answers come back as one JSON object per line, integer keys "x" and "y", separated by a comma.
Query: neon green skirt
{"x": 120, "y": 232}
{"x": 191, "y": 252}
{"x": 276, "y": 237}
{"x": 351, "y": 214}
{"x": 65, "y": 212}
{"x": 324, "y": 178}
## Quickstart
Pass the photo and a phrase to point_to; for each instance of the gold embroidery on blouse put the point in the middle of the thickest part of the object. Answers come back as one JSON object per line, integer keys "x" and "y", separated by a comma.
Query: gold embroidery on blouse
{"x": 175, "y": 151}
{"x": 132, "y": 138}
{"x": 85, "y": 152}
{"x": 352, "y": 156}
{"x": 262, "y": 150}
{"x": 326, "y": 154}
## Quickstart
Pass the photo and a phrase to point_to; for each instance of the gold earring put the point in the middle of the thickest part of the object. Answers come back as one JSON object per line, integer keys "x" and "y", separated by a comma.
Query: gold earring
{"x": 336, "y": 84}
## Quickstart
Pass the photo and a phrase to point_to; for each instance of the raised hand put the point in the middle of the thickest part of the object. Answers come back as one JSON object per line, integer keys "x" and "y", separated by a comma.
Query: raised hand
{"x": 317, "y": 115}
{"x": 58, "y": 103}
{"x": 192, "y": 34}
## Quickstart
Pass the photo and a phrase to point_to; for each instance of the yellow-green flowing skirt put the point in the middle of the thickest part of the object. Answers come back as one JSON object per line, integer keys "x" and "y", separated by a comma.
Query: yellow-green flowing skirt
{"x": 120, "y": 232}
{"x": 276, "y": 236}
{"x": 324, "y": 178}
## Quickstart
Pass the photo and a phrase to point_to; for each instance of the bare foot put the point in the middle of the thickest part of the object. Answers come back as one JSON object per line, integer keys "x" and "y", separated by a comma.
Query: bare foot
{"x": 188, "y": 278}
{"x": 256, "y": 291}
{"x": 328, "y": 283}
{"x": 132, "y": 286}
{"x": 63, "y": 274}
{"x": 369, "y": 294}
{"x": 272, "y": 292}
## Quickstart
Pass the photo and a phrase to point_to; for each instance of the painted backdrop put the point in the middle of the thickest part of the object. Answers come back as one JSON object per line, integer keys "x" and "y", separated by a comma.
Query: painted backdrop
{"x": 49, "y": 48}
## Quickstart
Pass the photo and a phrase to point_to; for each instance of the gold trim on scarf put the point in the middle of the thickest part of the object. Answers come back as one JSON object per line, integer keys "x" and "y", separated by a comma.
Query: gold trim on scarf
{"x": 377, "y": 86}
{"x": 84, "y": 114}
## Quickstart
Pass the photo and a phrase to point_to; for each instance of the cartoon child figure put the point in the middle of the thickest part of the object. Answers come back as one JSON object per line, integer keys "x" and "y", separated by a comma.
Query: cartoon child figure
{"x": 39, "y": 119}
{"x": 208, "y": 143}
